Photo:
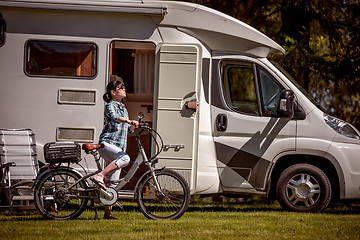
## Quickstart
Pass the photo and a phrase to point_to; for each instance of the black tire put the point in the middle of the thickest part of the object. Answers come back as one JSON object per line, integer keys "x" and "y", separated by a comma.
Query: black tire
{"x": 54, "y": 201}
{"x": 176, "y": 197}
{"x": 303, "y": 188}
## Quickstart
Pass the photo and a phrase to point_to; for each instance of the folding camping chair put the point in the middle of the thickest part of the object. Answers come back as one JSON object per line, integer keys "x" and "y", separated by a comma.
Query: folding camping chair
{"x": 19, "y": 166}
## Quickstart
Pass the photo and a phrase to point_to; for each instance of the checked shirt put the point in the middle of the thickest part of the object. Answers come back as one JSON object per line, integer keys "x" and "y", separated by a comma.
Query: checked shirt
{"x": 113, "y": 131}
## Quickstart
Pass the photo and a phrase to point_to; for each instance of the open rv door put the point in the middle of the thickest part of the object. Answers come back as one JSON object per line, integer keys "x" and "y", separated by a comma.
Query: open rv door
{"x": 177, "y": 80}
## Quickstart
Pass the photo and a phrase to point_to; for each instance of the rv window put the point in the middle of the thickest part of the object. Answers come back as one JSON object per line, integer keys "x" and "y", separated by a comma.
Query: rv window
{"x": 270, "y": 92}
{"x": 239, "y": 88}
{"x": 60, "y": 59}
{"x": 2, "y": 30}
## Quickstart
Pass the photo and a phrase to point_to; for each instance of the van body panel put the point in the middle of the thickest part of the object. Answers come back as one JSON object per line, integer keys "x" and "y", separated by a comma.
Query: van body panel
{"x": 308, "y": 137}
{"x": 348, "y": 152}
{"x": 207, "y": 176}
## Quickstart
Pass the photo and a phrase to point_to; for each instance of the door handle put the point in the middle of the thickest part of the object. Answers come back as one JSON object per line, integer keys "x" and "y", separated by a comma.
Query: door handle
{"x": 221, "y": 122}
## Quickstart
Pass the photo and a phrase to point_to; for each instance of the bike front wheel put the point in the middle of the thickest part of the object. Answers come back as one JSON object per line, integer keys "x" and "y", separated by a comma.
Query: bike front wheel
{"x": 57, "y": 195}
{"x": 170, "y": 201}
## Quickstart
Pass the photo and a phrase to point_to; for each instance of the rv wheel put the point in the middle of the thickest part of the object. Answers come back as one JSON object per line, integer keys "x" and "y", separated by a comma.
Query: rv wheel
{"x": 303, "y": 188}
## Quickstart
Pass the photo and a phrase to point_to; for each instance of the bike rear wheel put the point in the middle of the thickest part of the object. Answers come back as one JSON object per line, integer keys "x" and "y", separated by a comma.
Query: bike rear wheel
{"x": 55, "y": 200}
{"x": 171, "y": 202}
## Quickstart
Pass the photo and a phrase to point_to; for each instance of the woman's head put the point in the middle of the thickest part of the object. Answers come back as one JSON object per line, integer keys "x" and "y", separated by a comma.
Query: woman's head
{"x": 113, "y": 86}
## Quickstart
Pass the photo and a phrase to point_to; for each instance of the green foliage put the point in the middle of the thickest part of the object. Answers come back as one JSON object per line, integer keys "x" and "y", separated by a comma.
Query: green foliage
{"x": 322, "y": 43}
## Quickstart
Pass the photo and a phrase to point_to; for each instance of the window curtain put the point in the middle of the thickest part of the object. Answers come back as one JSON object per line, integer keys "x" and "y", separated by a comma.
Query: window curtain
{"x": 144, "y": 72}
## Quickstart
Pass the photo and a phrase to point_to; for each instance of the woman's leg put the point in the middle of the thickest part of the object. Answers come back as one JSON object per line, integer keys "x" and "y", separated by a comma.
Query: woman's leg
{"x": 110, "y": 178}
{"x": 116, "y": 159}
{"x": 111, "y": 167}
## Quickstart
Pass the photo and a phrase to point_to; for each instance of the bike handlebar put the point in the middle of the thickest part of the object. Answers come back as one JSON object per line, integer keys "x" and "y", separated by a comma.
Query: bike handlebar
{"x": 143, "y": 124}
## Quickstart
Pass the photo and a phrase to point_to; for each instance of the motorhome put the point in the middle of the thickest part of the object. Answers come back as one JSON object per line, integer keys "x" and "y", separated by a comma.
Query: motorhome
{"x": 232, "y": 122}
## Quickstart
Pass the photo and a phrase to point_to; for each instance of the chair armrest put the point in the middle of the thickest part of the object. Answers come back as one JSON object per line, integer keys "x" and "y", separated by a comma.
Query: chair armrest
{"x": 10, "y": 164}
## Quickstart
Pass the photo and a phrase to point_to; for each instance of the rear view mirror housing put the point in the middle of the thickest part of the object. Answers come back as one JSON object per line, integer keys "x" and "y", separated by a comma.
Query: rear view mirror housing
{"x": 286, "y": 104}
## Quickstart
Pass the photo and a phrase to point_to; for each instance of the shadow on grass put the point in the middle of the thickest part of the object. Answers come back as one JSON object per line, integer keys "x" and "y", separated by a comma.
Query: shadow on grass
{"x": 344, "y": 208}
{"x": 337, "y": 208}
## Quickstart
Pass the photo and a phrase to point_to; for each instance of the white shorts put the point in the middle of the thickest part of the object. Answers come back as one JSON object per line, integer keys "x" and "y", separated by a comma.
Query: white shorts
{"x": 111, "y": 153}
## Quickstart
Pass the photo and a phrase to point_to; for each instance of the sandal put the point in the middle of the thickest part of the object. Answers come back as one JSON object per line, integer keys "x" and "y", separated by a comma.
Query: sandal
{"x": 99, "y": 184}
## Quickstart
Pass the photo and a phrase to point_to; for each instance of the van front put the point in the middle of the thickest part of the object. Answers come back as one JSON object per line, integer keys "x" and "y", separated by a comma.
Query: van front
{"x": 333, "y": 141}
{"x": 271, "y": 138}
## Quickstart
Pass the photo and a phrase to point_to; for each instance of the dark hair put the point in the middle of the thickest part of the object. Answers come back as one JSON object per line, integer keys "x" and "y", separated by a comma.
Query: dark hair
{"x": 115, "y": 82}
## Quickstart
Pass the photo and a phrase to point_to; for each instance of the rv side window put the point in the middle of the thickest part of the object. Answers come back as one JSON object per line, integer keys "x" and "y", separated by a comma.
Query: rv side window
{"x": 246, "y": 85}
{"x": 239, "y": 87}
{"x": 2, "y": 30}
{"x": 66, "y": 59}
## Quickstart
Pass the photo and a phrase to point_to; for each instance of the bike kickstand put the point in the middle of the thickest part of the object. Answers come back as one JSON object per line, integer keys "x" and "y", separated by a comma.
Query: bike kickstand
{"x": 96, "y": 214}
{"x": 92, "y": 205}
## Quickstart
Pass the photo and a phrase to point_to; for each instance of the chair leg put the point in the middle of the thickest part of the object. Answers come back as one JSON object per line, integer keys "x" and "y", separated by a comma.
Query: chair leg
{"x": 11, "y": 201}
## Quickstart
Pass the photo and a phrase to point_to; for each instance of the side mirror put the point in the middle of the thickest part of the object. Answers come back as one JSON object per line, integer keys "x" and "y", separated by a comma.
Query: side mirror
{"x": 286, "y": 104}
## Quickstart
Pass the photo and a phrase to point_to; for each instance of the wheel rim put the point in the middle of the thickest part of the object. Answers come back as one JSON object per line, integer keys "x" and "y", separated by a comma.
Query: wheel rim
{"x": 303, "y": 190}
{"x": 55, "y": 201}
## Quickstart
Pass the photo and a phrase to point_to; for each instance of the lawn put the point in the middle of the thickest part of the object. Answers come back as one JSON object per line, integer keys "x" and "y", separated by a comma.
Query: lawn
{"x": 203, "y": 220}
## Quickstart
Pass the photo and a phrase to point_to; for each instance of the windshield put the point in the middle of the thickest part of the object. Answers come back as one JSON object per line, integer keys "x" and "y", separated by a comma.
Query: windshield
{"x": 283, "y": 71}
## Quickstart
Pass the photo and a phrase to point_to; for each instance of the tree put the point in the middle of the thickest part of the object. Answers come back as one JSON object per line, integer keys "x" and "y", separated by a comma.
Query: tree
{"x": 322, "y": 43}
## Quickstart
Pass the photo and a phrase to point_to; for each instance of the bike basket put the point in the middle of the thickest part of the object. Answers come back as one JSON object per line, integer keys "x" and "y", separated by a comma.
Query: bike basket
{"x": 57, "y": 152}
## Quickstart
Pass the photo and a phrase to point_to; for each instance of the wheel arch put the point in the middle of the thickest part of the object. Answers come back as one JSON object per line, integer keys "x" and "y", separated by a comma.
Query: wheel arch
{"x": 326, "y": 165}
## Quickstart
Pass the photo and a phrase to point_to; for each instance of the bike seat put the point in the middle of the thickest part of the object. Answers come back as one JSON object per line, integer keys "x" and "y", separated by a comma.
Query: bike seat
{"x": 91, "y": 146}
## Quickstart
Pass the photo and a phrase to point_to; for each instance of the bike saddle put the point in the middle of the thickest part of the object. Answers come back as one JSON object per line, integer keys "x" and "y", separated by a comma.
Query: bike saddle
{"x": 91, "y": 146}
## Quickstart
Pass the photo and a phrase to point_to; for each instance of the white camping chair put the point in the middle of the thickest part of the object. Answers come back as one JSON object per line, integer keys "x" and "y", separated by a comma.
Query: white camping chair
{"x": 19, "y": 166}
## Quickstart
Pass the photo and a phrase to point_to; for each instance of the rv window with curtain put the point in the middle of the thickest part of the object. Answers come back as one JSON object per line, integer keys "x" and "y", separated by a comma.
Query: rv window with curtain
{"x": 67, "y": 59}
{"x": 2, "y": 30}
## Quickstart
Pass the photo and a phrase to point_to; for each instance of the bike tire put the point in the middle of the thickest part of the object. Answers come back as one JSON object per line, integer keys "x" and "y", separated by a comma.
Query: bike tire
{"x": 53, "y": 201}
{"x": 176, "y": 197}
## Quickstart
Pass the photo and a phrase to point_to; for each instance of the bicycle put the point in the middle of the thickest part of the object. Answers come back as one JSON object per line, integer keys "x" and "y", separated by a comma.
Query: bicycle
{"x": 61, "y": 192}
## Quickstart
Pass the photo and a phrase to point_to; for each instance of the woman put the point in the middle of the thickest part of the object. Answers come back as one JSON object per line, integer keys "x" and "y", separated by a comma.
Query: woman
{"x": 114, "y": 137}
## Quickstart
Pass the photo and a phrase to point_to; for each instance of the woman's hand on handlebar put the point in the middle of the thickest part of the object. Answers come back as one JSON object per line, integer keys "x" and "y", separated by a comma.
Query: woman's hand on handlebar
{"x": 133, "y": 124}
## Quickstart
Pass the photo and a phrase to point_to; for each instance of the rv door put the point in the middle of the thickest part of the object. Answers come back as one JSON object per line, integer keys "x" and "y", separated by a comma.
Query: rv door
{"x": 248, "y": 133}
{"x": 175, "y": 108}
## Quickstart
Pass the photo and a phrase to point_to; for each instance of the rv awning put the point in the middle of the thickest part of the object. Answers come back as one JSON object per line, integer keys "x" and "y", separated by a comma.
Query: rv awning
{"x": 218, "y": 31}
{"x": 121, "y": 7}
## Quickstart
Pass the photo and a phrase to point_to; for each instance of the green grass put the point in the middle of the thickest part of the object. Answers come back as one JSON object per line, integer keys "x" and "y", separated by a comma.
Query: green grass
{"x": 203, "y": 220}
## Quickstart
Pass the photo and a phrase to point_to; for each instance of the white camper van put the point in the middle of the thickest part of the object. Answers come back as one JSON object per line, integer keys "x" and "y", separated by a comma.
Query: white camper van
{"x": 232, "y": 122}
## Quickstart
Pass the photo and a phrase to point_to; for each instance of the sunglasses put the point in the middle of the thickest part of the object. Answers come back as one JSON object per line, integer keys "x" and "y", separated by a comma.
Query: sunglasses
{"x": 122, "y": 87}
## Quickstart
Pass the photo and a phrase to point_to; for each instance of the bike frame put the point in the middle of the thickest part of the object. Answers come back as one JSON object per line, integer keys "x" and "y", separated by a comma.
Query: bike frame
{"x": 141, "y": 158}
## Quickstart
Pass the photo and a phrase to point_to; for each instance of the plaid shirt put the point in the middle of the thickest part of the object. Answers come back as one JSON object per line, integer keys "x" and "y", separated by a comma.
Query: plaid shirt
{"x": 114, "y": 132}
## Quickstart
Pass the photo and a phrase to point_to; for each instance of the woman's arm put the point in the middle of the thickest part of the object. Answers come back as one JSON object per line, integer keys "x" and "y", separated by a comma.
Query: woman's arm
{"x": 133, "y": 124}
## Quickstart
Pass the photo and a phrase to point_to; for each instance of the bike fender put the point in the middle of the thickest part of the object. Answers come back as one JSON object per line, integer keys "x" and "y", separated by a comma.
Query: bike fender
{"x": 143, "y": 177}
